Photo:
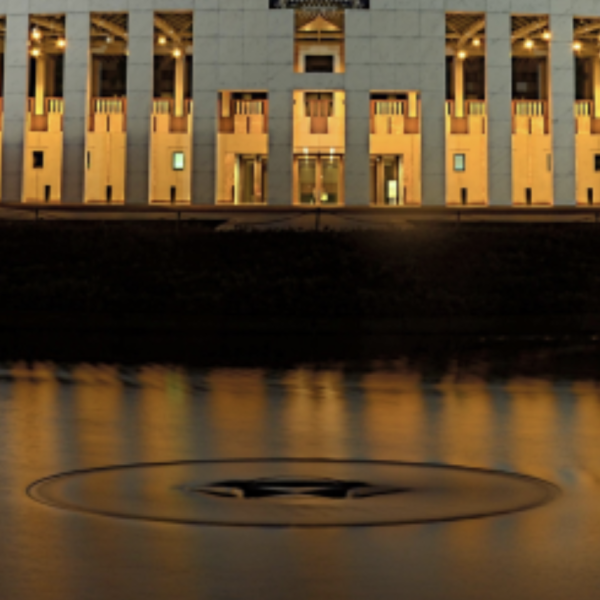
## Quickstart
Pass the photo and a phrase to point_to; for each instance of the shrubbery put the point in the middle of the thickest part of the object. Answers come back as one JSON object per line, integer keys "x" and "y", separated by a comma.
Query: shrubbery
{"x": 471, "y": 270}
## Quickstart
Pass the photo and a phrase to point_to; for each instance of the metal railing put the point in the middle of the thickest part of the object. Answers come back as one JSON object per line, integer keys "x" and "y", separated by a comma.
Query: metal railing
{"x": 476, "y": 108}
{"x": 529, "y": 108}
{"x": 55, "y": 106}
{"x": 584, "y": 108}
{"x": 109, "y": 106}
{"x": 390, "y": 107}
{"x": 250, "y": 107}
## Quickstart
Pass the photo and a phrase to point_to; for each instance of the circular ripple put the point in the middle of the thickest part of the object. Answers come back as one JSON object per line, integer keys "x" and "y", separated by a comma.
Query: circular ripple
{"x": 294, "y": 493}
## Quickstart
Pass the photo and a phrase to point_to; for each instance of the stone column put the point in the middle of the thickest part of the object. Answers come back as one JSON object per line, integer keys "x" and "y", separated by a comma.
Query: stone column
{"x": 76, "y": 97}
{"x": 459, "y": 87}
{"x": 40, "y": 86}
{"x": 205, "y": 90}
{"x": 179, "y": 85}
{"x": 433, "y": 86}
{"x": 357, "y": 188}
{"x": 15, "y": 105}
{"x": 140, "y": 74}
{"x": 280, "y": 72}
{"x": 562, "y": 81}
{"x": 499, "y": 106}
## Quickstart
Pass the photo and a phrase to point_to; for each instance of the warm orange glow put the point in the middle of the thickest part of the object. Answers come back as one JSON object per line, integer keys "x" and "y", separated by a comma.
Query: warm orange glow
{"x": 36, "y": 34}
{"x": 577, "y": 46}
{"x": 547, "y": 35}
{"x": 61, "y": 43}
{"x": 36, "y": 52}
{"x": 462, "y": 54}
{"x": 477, "y": 42}
{"x": 162, "y": 40}
{"x": 528, "y": 44}
{"x": 177, "y": 53}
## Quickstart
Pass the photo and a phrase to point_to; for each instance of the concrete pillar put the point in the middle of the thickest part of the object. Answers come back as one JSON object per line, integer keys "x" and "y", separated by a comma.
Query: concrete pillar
{"x": 40, "y": 85}
{"x": 76, "y": 97}
{"x": 596, "y": 84}
{"x": 139, "y": 102}
{"x": 179, "y": 85}
{"x": 280, "y": 74}
{"x": 433, "y": 85}
{"x": 205, "y": 90}
{"x": 562, "y": 79}
{"x": 459, "y": 87}
{"x": 280, "y": 147}
{"x": 16, "y": 70}
{"x": 499, "y": 106}
{"x": 358, "y": 129}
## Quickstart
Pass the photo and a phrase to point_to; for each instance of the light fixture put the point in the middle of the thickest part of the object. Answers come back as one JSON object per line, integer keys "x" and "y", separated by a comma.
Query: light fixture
{"x": 61, "y": 43}
{"x": 547, "y": 35}
{"x": 162, "y": 40}
{"x": 36, "y": 34}
{"x": 177, "y": 53}
{"x": 109, "y": 39}
{"x": 462, "y": 54}
{"x": 36, "y": 52}
{"x": 577, "y": 46}
{"x": 528, "y": 44}
{"x": 476, "y": 42}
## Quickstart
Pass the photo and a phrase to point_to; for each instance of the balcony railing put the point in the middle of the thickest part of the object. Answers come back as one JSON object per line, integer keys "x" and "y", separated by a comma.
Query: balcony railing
{"x": 584, "y": 108}
{"x": 529, "y": 108}
{"x": 390, "y": 107}
{"x": 250, "y": 107}
{"x": 392, "y": 117}
{"x": 476, "y": 108}
{"x": 109, "y": 106}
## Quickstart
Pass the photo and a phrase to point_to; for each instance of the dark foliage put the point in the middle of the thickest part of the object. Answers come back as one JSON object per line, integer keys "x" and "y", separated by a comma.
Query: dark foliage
{"x": 474, "y": 270}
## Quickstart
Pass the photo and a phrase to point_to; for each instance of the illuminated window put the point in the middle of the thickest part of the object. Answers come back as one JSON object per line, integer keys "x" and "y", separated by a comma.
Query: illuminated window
{"x": 178, "y": 161}
{"x": 597, "y": 162}
{"x": 38, "y": 159}
{"x": 460, "y": 162}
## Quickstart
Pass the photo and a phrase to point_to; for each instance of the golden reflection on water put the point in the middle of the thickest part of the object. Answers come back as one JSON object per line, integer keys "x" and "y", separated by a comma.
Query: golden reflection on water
{"x": 54, "y": 419}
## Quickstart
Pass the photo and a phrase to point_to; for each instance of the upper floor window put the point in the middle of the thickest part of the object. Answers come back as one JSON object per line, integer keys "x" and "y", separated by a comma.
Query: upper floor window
{"x": 319, "y": 41}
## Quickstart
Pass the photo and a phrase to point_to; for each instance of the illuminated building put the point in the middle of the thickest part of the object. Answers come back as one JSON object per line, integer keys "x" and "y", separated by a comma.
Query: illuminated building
{"x": 307, "y": 102}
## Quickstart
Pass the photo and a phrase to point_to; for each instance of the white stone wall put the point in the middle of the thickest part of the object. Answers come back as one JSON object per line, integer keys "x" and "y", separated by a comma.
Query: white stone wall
{"x": 243, "y": 45}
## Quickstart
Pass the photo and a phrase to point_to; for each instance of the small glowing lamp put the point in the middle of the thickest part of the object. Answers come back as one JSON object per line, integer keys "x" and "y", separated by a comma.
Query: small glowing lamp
{"x": 36, "y": 34}
{"x": 162, "y": 40}
{"x": 61, "y": 43}
{"x": 577, "y": 46}
{"x": 462, "y": 54}
{"x": 547, "y": 35}
{"x": 476, "y": 42}
{"x": 528, "y": 44}
{"x": 177, "y": 53}
{"x": 36, "y": 52}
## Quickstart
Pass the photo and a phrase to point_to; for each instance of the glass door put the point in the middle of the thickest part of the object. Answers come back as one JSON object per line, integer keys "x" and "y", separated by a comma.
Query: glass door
{"x": 307, "y": 180}
{"x": 330, "y": 180}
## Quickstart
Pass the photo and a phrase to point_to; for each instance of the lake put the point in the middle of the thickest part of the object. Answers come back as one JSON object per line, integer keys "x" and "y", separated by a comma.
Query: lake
{"x": 531, "y": 409}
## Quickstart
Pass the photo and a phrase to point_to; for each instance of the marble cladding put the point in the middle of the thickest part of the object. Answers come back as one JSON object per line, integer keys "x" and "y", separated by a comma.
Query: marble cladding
{"x": 244, "y": 45}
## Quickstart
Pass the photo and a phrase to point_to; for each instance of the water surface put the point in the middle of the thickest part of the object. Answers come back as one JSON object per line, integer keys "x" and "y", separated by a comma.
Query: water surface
{"x": 482, "y": 412}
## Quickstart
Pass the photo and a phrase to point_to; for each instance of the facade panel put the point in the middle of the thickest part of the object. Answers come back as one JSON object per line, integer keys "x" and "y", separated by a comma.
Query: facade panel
{"x": 383, "y": 103}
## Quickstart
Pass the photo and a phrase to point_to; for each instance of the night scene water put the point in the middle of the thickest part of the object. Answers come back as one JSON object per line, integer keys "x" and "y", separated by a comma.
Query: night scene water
{"x": 532, "y": 412}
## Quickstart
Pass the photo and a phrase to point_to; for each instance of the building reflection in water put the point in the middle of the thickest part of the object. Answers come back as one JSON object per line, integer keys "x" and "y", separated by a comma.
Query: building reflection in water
{"x": 56, "y": 419}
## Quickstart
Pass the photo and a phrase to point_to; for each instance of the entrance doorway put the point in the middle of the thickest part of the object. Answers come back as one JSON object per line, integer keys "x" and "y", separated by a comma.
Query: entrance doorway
{"x": 387, "y": 180}
{"x": 319, "y": 179}
{"x": 250, "y": 182}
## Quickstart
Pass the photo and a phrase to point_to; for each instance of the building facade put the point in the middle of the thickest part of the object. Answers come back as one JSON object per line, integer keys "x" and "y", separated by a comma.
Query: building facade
{"x": 301, "y": 102}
